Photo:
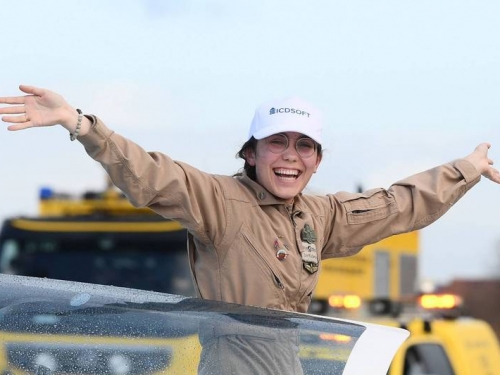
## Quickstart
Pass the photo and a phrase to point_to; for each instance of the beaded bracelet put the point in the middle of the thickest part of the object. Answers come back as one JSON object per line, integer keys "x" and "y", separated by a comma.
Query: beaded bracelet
{"x": 73, "y": 136}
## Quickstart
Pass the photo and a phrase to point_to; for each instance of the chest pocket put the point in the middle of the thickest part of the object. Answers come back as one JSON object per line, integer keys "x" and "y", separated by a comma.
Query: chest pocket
{"x": 365, "y": 207}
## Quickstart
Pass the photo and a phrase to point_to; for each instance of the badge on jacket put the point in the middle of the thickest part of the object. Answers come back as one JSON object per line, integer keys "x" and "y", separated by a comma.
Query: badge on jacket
{"x": 281, "y": 252}
{"x": 309, "y": 252}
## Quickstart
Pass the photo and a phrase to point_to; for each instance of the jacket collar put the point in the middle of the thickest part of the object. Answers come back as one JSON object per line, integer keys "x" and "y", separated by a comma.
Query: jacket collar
{"x": 262, "y": 196}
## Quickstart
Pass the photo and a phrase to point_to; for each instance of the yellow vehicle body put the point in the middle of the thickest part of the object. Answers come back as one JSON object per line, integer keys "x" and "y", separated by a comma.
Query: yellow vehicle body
{"x": 185, "y": 351}
{"x": 110, "y": 202}
{"x": 469, "y": 345}
{"x": 386, "y": 269}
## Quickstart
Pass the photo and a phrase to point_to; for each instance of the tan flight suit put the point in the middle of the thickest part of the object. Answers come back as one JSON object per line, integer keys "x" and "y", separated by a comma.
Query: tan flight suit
{"x": 245, "y": 245}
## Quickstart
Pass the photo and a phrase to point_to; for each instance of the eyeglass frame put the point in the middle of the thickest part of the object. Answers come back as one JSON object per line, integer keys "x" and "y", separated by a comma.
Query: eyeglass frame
{"x": 287, "y": 144}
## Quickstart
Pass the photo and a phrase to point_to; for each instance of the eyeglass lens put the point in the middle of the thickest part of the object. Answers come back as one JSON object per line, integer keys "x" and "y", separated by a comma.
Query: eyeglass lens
{"x": 278, "y": 143}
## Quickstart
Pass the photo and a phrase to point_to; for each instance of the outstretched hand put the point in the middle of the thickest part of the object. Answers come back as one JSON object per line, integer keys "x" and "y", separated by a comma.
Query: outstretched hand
{"x": 479, "y": 158}
{"x": 40, "y": 107}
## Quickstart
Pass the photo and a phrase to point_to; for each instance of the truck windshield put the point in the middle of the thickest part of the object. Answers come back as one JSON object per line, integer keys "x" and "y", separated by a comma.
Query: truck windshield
{"x": 155, "y": 261}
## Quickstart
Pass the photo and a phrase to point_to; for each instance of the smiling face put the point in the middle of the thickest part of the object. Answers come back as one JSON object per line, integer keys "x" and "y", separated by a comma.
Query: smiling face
{"x": 284, "y": 169}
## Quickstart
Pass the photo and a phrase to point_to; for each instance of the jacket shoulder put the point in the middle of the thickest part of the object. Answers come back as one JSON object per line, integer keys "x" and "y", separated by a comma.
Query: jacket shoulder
{"x": 233, "y": 189}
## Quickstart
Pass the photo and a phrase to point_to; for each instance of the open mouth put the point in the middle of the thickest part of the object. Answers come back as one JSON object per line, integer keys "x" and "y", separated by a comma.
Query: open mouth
{"x": 287, "y": 174}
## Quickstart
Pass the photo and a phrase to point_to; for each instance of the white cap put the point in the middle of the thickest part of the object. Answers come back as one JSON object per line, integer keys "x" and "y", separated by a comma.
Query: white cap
{"x": 287, "y": 115}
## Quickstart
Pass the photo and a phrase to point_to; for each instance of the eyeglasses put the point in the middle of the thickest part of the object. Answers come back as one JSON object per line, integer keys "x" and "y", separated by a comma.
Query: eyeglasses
{"x": 278, "y": 143}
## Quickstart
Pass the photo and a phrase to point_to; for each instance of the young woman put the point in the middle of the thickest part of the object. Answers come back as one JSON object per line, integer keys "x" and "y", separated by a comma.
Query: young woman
{"x": 254, "y": 238}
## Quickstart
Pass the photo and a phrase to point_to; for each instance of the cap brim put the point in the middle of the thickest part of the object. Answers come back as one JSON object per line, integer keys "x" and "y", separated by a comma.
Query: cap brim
{"x": 276, "y": 129}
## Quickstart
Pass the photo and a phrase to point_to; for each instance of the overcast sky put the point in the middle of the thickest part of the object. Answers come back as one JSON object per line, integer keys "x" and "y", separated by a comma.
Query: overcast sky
{"x": 404, "y": 85}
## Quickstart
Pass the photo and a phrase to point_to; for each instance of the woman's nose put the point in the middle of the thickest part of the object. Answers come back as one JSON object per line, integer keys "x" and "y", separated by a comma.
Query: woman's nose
{"x": 290, "y": 153}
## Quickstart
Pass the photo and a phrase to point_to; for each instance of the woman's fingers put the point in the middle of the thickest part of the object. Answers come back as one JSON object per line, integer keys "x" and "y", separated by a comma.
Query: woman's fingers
{"x": 12, "y": 100}
{"x": 22, "y": 118}
{"x": 494, "y": 175}
{"x": 31, "y": 90}
{"x": 22, "y": 126}
{"x": 25, "y": 107}
{"x": 16, "y": 119}
{"x": 13, "y": 110}
{"x": 483, "y": 147}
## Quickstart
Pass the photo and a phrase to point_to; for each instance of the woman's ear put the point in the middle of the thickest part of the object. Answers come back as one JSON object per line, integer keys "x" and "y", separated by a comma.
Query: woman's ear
{"x": 250, "y": 156}
{"x": 318, "y": 162}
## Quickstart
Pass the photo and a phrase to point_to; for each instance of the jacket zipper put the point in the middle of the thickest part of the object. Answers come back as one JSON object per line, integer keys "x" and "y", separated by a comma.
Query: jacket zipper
{"x": 292, "y": 215}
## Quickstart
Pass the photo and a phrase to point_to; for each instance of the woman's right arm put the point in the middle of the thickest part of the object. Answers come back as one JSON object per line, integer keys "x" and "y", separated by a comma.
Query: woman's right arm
{"x": 152, "y": 179}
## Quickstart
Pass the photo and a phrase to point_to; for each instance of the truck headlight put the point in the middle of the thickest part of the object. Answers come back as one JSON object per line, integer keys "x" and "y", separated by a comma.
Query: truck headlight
{"x": 119, "y": 364}
{"x": 46, "y": 360}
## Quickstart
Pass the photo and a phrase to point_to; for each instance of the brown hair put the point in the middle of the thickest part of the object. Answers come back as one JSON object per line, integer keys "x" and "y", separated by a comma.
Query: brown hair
{"x": 252, "y": 145}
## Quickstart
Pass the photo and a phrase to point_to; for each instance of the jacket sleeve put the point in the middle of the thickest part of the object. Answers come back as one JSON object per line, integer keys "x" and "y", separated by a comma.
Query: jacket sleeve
{"x": 408, "y": 205}
{"x": 172, "y": 189}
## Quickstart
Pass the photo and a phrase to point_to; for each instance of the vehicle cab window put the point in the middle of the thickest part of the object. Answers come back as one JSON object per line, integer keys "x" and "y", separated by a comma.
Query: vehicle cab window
{"x": 427, "y": 359}
{"x": 9, "y": 251}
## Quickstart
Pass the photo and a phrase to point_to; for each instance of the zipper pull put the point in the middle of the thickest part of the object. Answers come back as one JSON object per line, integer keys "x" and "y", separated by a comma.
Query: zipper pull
{"x": 279, "y": 282}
